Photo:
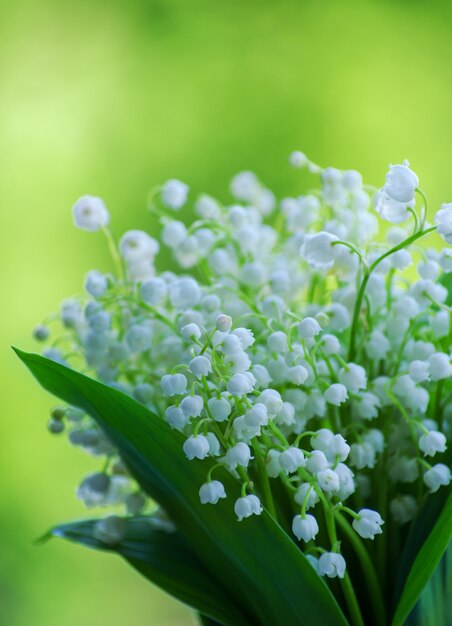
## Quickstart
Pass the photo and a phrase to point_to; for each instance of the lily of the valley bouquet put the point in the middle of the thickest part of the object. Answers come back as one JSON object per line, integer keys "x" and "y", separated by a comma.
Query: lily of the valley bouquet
{"x": 270, "y": 419}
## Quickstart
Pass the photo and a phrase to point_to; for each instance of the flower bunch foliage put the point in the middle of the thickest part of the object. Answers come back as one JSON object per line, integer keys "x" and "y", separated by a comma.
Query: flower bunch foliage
{"x": 294, "y": 344}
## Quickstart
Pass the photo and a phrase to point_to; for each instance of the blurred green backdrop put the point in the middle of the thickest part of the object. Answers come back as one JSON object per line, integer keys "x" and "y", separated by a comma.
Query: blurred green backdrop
{"x": 110, "y": 98}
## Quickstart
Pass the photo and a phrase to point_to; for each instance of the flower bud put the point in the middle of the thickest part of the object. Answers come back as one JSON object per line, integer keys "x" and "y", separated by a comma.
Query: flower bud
{"x": 219, "y": 408}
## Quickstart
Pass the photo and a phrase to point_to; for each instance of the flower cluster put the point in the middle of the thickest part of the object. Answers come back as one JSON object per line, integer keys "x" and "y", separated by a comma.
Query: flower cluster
{"x": 296, "y": 346}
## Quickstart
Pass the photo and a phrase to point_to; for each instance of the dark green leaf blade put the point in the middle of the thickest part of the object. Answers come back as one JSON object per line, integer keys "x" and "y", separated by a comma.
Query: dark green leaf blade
{"x": 166, "y": 560}
{"x": 425, "y": 563}
{"x": 256, "y": 562}
{"x": 420, "y": 529}
{"x": 206, "y": 621}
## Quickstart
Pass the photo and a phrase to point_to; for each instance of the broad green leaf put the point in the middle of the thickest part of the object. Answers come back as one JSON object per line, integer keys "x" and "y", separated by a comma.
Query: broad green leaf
{"x": 206, "y": 621}
{"x": 425, "y": 563}
{"x": 420, "y": 530}
{"x": 255, "y": 561}
{"x": 435, "y": 603}
{"x": 167, "y": 561}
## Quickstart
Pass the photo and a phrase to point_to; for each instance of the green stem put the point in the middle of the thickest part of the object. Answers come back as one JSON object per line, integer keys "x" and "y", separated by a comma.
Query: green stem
{"x": 368, "y": 569}
{"x": 352, "y": 602}
{"x": 265, "y": 482}
{"x": 346, "y": 584}
{"x": 362, "y": 289}
{"x": 114, "y": 252}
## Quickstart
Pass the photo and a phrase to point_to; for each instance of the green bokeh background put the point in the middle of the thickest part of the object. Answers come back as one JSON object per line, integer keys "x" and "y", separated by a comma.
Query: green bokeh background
{"x": 111, "y": 98}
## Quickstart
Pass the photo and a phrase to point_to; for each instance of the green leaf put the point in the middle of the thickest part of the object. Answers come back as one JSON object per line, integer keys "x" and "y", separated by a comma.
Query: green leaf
{"x": 420, "y": 530}
{"x": 425, "y": 563}
{"x": 166, "y": 560}
{"x": 255, "y": 561}
{"x": 206, "y": 621}
{"x": 435, "y": 603}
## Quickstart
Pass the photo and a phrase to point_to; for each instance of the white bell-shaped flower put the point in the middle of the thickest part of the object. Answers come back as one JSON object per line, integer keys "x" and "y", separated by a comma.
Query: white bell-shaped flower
{"x": 328, "y": 480}
{"x": 239, "y": 454}
{"x": 305, "y": 528}
{"x": 368, "y": 524}
{"x": 443, "y": 220}
{"x": 309, "y": 328}
{"x": 321, "y": 440}
{"x": 440, "y": 366}
{"x": 403, "y": 508}
{"x": 419, "y": 371}
{"x": 90, "y": 213}
{"x": 318, "y": 251}
{"x": 291, "y": 460}
{"x": 247, "y": 506}
{"x": 432, "y": 442}
{"x": 338, "y": 449}
{"x": 219, "y": 408}
{"x": 176, "y": 417}
{"x": 196, "y": 447}
{"x": 437, "y": 476}
{"x": 192, "y": 406}
{"x": 240, "y": 385}
{"x": 272, "y": 400}
{"x": 256, "y": 416}
{"x": 136, "y": 246}
{"x": 331, "y": 564}
{"x": 211, "y": 492}
{"x": 353, "y": 377}
{"x": 302, "y": 493}
{"x": 190, "y": 332}
{"x": 401, "y": 183}
{"x": 173, "y": 384}
{"x": 336, "y": 394}
{"x": 200, "y": 366}
{"x": 174, "y": 194}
